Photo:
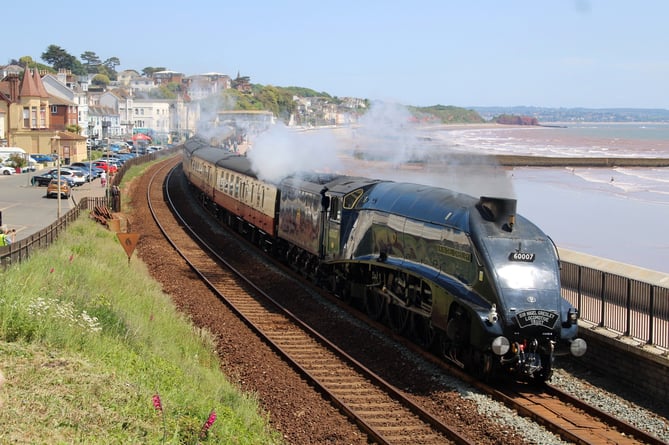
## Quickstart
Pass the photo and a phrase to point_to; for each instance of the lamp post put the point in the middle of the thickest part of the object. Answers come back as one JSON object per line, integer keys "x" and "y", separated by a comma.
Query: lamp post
{"x": 54, "y": 141}
{"x": 108, "y": 172}
{"x": 90, "y": 150}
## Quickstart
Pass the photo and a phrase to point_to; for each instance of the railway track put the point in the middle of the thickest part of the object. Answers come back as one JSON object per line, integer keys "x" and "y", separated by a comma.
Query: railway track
{"x": 386, "y": 414}
{"x": 381, "y": 411}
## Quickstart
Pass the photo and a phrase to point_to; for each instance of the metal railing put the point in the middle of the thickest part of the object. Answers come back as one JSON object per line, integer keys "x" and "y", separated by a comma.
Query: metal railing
{"x": 623, "y": 304}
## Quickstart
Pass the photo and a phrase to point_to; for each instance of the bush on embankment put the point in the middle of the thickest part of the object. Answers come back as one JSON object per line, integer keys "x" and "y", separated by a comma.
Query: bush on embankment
{"x": 93, "y": 352}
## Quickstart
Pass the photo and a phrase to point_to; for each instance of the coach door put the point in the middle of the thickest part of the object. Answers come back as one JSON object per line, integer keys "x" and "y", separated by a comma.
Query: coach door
{"x": 333, "y": 228}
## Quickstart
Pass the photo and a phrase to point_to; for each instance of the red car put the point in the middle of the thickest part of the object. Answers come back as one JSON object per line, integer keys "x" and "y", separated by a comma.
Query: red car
{"x": 109, "y": 168}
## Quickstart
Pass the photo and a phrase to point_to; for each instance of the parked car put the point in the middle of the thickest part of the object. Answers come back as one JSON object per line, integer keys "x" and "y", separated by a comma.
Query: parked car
{"x": 42, "y": 158}
{"x": 5, "y": 170}
{"x": 77, "y": 177}
{"x": 83, "y": 171}
{"x": 57, "y": 187}
{"x": 45, "y": 178}
{"x": 109, "y": 168}
{"x": 89, "y": 166}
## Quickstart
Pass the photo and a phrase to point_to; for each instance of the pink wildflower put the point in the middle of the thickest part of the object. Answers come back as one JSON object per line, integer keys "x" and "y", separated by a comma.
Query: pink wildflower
{"x": 210, "y": 421}
{"x": 156, "y": 403}
{"x": 52, "y": 269}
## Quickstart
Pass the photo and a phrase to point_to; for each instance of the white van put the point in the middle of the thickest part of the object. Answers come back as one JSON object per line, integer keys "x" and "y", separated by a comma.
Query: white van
{"x": 7, "y": 152}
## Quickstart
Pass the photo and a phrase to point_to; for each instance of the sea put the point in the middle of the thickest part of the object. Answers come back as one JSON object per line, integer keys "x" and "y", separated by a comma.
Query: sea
{"x": 617, "y": 213}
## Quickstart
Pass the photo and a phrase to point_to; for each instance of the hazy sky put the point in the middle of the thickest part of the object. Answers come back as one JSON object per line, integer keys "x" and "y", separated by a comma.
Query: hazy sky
{"x": 552, "y": 53}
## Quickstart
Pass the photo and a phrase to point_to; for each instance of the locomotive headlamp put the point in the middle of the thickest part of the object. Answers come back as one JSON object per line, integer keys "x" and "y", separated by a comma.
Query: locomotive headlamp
{"x": 500, "y": 345}
{"x": 578, "y": 347}
{"x": 573, "y": 315}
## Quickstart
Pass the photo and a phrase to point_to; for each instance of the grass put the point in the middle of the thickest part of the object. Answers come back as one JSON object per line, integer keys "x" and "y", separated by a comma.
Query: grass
{"x": 87, "y": 342}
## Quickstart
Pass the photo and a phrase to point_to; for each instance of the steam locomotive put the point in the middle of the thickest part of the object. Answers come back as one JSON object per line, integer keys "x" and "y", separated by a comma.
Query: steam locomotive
{"x": 466, "y": 277}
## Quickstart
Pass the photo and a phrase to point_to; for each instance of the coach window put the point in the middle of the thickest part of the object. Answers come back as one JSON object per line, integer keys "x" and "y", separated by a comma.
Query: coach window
{"x": 236, "y": 186}
{"x": 226, "y": 181}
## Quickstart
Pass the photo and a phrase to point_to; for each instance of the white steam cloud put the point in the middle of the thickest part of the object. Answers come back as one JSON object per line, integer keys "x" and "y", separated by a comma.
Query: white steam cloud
{"x": 387, "y": 144}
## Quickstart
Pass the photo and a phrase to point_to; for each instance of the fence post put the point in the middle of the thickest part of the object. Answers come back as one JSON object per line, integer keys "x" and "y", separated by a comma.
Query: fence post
{"x": 579, "y": 284}
{"x": 602, "y": 298}
{"x": 628, "y": 308}
{"x": 651, "y": 314}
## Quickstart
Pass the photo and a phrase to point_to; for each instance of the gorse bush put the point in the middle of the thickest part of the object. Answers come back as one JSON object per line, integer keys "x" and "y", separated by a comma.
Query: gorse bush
{"x": 88, "y": 338}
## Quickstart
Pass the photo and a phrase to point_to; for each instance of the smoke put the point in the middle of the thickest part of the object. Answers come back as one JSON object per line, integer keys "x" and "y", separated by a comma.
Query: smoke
{"x": 209, "y": 125}
{"x": 387, "y": 143}
{"x": 391, "y": 144}
{"x": 280, "y": 152}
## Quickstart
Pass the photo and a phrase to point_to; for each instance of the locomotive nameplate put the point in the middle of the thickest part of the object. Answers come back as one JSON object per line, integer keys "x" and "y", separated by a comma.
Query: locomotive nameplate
{"x": 536, "y": 318}
{"x": 524, "y": 257}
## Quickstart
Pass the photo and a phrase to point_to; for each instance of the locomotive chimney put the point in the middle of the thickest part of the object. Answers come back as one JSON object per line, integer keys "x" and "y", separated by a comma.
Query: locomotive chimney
{"x": 501, "y": 211}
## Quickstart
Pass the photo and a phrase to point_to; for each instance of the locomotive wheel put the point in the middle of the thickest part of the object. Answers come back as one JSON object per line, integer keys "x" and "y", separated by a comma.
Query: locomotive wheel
{"x": 398, "y": 318}
{"x": 422, "y": 331}
{"x": 375, "y": 304}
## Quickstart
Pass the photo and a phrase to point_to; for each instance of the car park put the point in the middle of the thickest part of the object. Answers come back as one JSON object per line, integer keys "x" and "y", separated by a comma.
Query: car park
{"x": 57, "y": 187}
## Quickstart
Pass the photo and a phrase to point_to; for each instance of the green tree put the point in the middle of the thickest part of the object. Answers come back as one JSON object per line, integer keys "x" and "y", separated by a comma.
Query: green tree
{"x": 100, "y": 80}
{"x": 149, "y": 70}
{"x": 28, "y": 62}
{"x": 163, "y": 92}
{"x": 105, "y": 72}
{"x": 61, "y": 59}
{"x": 111, "y": 65}
{"x": 91, "y": 61}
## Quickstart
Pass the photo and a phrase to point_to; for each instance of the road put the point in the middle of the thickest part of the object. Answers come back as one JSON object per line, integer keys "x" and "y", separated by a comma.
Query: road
{"x": 26, "y": 208}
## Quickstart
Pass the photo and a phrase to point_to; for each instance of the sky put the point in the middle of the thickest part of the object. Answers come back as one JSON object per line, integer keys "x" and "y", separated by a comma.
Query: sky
{"x": 549, "y": 53}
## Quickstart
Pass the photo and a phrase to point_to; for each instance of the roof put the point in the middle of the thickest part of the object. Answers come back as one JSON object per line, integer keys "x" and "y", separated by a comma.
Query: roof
{"x": 420, "y": 202}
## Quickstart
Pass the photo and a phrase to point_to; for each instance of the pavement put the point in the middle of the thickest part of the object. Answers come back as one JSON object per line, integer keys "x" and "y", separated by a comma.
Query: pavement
{"x": 26, "y": 208}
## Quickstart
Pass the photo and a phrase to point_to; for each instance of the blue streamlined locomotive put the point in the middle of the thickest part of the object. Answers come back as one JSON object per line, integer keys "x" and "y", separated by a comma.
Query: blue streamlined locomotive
{"x": 466, "y": 276}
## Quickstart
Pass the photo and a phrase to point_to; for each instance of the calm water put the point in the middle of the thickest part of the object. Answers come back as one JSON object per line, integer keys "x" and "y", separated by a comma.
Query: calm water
{"x": 615, "y": 213}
